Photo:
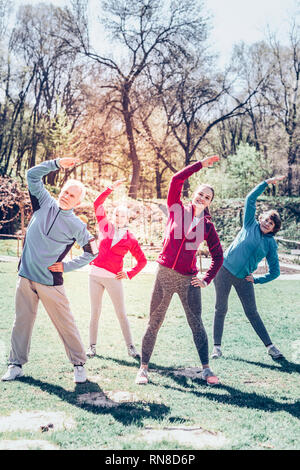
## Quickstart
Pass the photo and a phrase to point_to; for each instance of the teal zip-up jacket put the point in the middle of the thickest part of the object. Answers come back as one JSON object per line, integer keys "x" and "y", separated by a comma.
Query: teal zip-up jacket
{"x": 250, "y": 245}
{"x": 51, "y": 233}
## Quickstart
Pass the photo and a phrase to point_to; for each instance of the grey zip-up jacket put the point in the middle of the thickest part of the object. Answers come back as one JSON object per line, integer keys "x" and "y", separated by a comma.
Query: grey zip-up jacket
{"x": 51, "y": 233}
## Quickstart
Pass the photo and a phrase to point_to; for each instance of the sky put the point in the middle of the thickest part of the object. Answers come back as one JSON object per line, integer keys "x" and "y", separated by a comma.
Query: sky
{"x": 232, "y": 20}
{"x": 248, "y": 20}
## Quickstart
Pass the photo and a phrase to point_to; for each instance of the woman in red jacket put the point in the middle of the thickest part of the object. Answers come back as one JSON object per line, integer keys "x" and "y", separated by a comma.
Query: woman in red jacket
{"x": 187, "y": 227}
{"x": 107, "y": 269}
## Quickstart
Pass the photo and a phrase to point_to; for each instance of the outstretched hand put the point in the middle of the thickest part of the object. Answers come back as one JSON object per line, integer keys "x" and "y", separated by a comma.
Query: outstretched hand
{"x": 68, "y": 162}
{"x": 208, "y": 161}
{"x": 117, "y": 183}
{"x": 275, "y": 179}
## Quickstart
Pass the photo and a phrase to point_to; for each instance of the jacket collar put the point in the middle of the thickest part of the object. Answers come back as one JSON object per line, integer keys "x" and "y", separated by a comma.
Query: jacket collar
{"x": 204, "y": 213}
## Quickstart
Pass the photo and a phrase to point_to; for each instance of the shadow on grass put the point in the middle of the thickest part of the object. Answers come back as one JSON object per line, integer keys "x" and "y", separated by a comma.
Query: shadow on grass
{"x": 235, "y": 396}
{"x": 283, "y": 365}
{"x": 241, "y": 399}
{"x": 162, "y": 370}
{"x": 125, "y": 413}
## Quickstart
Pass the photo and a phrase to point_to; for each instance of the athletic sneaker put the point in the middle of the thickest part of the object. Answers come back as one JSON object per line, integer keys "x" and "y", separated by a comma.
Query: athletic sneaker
{"x": 13, "y": 372}
{"x": 91, "y": 352}
{"x": 216, "y": 352}
{"x": 142, "y": 377}
{"x": 132, "y": 352}
{"x": 79, "y": 374}
{"x": 210, "y": 378}
{"x": 274, "y": 352}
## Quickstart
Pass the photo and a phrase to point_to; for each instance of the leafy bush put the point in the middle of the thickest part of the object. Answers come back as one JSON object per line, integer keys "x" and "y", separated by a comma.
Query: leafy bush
{"x": 236, "y": 175}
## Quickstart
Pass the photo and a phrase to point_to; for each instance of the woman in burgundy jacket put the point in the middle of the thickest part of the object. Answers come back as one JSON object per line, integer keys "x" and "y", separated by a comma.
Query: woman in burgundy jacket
{"x": 187, "y": 227}
{"x": 107, "y": 269}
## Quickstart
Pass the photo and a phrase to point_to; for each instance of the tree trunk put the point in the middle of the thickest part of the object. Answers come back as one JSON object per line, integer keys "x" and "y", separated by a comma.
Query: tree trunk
{"x": 158, "y": 181}
{"x": 291, "y": 161}
{"x": 136, "y": 166}
{"x": 51, "y": 178}
{"x": 290, "y": 179}
{"x": 186, "y": 185}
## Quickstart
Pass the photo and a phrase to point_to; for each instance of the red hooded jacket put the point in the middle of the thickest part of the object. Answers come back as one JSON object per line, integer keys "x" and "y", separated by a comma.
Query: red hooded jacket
{"x": 111, "y": 257}
{"x": 181, "y": 243}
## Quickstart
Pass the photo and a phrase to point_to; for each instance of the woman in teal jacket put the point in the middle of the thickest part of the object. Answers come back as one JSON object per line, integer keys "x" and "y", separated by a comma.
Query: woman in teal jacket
{"x": 254, "y": 242}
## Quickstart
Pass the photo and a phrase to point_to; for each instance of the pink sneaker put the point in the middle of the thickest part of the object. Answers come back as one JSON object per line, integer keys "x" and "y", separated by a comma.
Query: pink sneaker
{"x": 210, "y": 378}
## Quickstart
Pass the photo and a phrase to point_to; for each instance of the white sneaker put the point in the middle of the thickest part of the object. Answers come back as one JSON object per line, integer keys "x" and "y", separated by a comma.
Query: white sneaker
{"x": 216, "y": 352}
{"x": 274, "y": 352}
{"x": 142, "y": 377}
{"x": 79, "y": 374}
{"x": 91, "y": 352}
{"x": 132, "y": 352}
{"x": 13, "y": 372}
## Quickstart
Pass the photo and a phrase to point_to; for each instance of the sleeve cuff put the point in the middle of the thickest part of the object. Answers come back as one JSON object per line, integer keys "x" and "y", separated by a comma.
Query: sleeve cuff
{"x": 57, "y": 162}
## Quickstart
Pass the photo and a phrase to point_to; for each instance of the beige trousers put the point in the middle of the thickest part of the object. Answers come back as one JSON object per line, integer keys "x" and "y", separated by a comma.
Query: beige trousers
{"x": 53, "y": 298}
{"x": 114, "y": 287}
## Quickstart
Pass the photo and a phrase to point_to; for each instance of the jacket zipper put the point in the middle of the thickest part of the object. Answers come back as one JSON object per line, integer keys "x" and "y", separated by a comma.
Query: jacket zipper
{"x": 53, "y": 221}
{"x": 184, "y": 239}
{"x": 178, "y": 253}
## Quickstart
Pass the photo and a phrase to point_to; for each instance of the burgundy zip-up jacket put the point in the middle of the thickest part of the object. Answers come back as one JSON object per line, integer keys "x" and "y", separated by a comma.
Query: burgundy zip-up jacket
{"x": 111, "y": 257}
{"x": 181, "y": 242}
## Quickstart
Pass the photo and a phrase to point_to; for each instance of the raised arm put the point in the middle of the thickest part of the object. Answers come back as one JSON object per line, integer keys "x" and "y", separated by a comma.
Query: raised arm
{"x": 98, "y": 203}
{"x": 250, "y": 202}
{"x": 38, "y": 194}
{"x": 177, "y": 181}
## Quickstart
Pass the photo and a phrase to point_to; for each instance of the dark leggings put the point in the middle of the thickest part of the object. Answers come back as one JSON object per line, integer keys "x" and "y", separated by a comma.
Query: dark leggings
{"x": 166, "y": 284}
{"x": 223, "y": 281}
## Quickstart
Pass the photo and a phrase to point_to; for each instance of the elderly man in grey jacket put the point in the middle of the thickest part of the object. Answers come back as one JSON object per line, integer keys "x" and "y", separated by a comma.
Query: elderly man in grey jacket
{"x": 52, "y": 231}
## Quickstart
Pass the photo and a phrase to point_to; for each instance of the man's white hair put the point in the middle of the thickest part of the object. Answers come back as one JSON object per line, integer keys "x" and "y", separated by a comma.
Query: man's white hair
{"x": 79, "y": 185}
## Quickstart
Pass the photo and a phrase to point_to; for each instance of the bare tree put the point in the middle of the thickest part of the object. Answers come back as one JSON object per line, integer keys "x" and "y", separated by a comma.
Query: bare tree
{"x": 56, "y": 76}
{"x": 144, "y": 29}
{"x": 196, "y": 100}
{"x": 283, "y": 95}
{"x": 5, "y": 6}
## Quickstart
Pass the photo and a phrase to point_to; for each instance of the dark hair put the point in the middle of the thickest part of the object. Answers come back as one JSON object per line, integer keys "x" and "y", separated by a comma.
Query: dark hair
{"x": 275, "y": 217}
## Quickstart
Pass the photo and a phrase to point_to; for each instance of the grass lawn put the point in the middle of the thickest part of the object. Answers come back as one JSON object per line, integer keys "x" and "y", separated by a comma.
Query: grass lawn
{"x": 256, "y": 406}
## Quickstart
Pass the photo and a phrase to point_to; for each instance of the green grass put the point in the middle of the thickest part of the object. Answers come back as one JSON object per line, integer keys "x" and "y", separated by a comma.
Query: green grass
{"x": 255, "y": 407}
{"x": 9, "y": 247}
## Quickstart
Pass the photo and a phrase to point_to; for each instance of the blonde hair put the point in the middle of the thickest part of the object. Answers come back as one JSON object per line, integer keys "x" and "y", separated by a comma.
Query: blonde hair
{"x": 121, "y": 208}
